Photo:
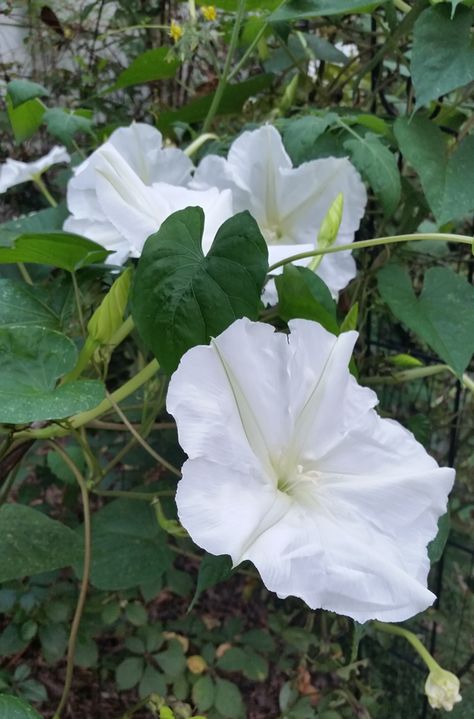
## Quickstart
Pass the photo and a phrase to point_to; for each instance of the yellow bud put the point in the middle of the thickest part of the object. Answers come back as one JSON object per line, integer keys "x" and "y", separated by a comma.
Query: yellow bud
{"x": 176, "y": 31}
{"x": 209, "y": 12}
{"x": 442, "y": 689}
{"x": 196, "y": 664}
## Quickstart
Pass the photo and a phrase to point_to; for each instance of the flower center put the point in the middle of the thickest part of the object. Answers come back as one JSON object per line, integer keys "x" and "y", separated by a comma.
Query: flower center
{"x": 273, "y": 234}
{"x": 300, "y": 484}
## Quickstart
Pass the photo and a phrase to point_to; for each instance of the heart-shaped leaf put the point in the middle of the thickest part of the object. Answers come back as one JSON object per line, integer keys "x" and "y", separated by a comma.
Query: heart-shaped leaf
{"x": 32, "y": 360}
{"x": 22, "y": 304}
{"x": 32, "y": 543}
{"x": 441, "y": 316}
{"x": 181, "y": 298}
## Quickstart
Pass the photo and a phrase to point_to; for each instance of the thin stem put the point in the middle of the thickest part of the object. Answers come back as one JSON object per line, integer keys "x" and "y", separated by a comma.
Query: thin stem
{"x": 123, "y": 331}
{"x": 410, "y": 637}
{"x": 248, "y": 52}
{"x": 24, "y": 273}
{"x": 77, "y": 296}
{"x": 39, "y": 182}
{"x": 199, "y": 142}
{"x": 407, "y": 375}
{"x": 401, "y": 5}
{"x": 119, "y": 427}
{"x": 216, "y": 100}
{"x": 116, "y": 460}
{"x": 393, "y": 239}
{"x": 85, "y": 576}
{"x": 136, "y": 707}
{"x": 161, "y": 460}
{"x": 84, "y": 417}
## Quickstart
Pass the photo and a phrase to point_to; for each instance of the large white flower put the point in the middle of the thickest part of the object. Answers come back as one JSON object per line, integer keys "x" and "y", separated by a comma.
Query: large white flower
{"x": 289, "y": 203}
{"x": 105, "y": 187}
{"x": 291, "y": 468}
{"x": 14, "y": 172}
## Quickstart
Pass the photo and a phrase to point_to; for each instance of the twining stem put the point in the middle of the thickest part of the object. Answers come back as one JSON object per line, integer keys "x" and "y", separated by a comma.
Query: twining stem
{"x": 393, "y": 239}
{"x": 24, "y": 273}
{"x": 196, "y": 144}
{"x": 161, "y": 460}
{"x": 410, "y": 637}
{"x": 85, "y": 575}
{"x": 77, "y": 297}
{"x": 139, "y": 496}
{"x": 224, "y": 79}
{"x": 84, "y": 418}
{"x": 38, "y": 180}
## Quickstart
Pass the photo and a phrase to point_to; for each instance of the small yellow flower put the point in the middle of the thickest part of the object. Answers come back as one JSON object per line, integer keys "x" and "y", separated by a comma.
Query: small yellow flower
{"x": 176, "y": 31}
{"x": 209, "y": 12}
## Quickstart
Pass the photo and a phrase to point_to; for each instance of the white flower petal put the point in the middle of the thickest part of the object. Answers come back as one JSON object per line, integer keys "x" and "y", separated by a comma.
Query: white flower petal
{"x": 14, "y": 172}
{"x": 291, "y": 468}
{"x": 215, "y": 171}
{"x": 105, "y": 234}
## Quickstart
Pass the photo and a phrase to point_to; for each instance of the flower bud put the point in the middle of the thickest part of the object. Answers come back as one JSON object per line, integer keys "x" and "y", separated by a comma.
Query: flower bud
{"x": 442, "y": 689}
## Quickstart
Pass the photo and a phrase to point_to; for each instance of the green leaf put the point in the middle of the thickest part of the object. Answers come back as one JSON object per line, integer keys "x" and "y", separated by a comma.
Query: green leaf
{"x": 14, "y": 708}
{"x": 129, "y": 548}
{"x": 441, "y": 316}
{"x": 255, "y": 667}
{"x": 32, "y": 360}
{"x": 151, "y": 65}
{"x": 303, "y": 295}
{"x": 53, "y": 638}
{"x": 26, "y": 118}
{"x": 61, "y": 249}
{"x": 228, "y": 699}
{"x": 233, "y": 99}
{"x": 443, "y": 52}
{"x": 52, "y": 218}
{"x": 300, "y": 135}
{"x": 446, "y": 181}
{"x": 379, "y": 167}
{"x": 65, "y": 124}
{"x": 22, "y": 304}
{"x": 172, "y": 660}
{"x": 233, "y": 660}
{"x": 60, "y": 469}
{"x": 152, "y": 682}
{"x": 129, "y": 672}
{"x": 181, "y": 298}
{"x": 32, "y": 543}
{"x": 437, "y": 545}
{"x": 296, "y": 9}
{"x": 259, "y": 639}
{"x": 20, "y": 91}
{"x": 212, "y": 570}
{"x": 203, "y": 693}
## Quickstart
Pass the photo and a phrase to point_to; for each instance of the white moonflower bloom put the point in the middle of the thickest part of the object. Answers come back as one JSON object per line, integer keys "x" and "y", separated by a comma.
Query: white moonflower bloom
{"x": 290, "y": 467}
{"x": 289, "y": 203}
{"x": 442, "y": 689}
{"x": 122, "y": 193}
{"x": 14, "y": 172}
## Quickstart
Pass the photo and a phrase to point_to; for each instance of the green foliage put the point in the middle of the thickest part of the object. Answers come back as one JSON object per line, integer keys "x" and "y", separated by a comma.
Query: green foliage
{"x": 212, "y": 570}
{"x": 441, "y": 316}
{"x": 20, "y": 91}
{"x": 150, "y": 66}
{"x": 23, "y": 305}
{"x": 303, "y": 294}
{"x": 26, "y": 118}
{"x": 452, "y": 64}
{"x": 32, "y": 543}
{"x": 13, "y": 708}
{"x": 181, "y": 297}
{"x": 298, "y": 9}
{"x": 60, "y": 249}
{"x": 33, "y": 359}
{"x": 65, "y": 124}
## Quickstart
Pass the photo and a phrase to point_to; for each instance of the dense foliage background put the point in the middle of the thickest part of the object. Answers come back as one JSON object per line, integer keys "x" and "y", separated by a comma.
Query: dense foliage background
{"x": 388, "y": 84}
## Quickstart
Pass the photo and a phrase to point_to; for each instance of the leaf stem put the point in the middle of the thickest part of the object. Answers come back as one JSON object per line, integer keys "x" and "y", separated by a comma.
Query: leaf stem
{"x": 77, "y": 297}
{"x": 411, "y": 638}
{"x": 224, "y": 79}
{"x": 24, "y": 273}
{"x": 140, "y": 496}
{"x": 392, "y": 239}
{"x": 85, "y": 575}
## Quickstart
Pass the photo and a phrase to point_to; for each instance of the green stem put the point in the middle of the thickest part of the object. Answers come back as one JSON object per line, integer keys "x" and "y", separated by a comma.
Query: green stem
{"x": 77, "y": 296}
{"x": 248, "y": 52}
{"x": 140, "y": 496}
{"x": 85, "y": 576}
{"x": 410, "y": 637}
{"x": 407, "y": 375}
{"x": 84, "y": 417}
{"x": 38, "y": 180}
{"x": 216, "y": 100}
{"x": 393, "y": 239}
{"x": 199, "y": 142}
{"x": 403, "y": 6}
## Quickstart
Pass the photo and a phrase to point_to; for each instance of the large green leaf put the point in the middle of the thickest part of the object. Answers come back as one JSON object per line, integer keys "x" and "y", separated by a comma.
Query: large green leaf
{"x": 32, "y": 543}
{"x": 20, "y": 91}
{"x": 300, "y": 136}
{"x": 441, "y": 316}
{"x": 47, "y": 220}
{"x": 296, "y": 9}
{"x": 65, "y": 124}
{"x": 181, "y": 298}
{"x": 129, "y": 547}
{"x": 302, "y": 294}
{"x": 379, "y": 167}
{"x": 32, "y": 360}
{"x": 446, "y": 181}
{"x": 443, "y": 52}
{"x": 60, "y": 249}
{"x": 25, "y": 305}
{"x": 151, "y": 65}
{"x": 26, "y": 118}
